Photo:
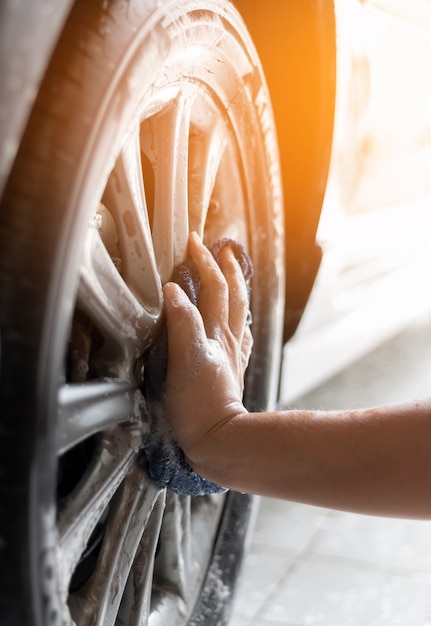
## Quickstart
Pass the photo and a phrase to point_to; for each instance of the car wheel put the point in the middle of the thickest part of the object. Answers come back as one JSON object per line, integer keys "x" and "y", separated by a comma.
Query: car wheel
{"x": 153, "y": 120}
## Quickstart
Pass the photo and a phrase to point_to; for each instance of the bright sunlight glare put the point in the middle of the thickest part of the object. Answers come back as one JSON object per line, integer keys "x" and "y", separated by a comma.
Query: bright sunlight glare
{"x": 381, "y": 156}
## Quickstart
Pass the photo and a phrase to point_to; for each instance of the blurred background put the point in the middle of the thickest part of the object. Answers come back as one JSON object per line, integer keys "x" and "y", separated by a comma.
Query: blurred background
{"x": 366, "y": 333}
{"x": 375, "y": 223}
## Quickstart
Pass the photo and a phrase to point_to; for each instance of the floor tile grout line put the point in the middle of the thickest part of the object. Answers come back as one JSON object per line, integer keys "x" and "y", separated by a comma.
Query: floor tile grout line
{"x": 291, "y": 567}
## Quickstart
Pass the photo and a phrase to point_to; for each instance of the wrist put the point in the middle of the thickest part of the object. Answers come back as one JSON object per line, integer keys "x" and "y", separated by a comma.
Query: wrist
{"x": 213, "y": 455}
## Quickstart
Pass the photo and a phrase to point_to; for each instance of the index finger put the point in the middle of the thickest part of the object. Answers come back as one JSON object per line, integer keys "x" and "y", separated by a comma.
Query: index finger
{"x": 185, "y": 327}
{"x": 213, "y": 301}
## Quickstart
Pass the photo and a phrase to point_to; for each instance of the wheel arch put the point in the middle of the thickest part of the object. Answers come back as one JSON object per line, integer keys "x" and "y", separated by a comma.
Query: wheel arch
{"x": 297, "y": 48}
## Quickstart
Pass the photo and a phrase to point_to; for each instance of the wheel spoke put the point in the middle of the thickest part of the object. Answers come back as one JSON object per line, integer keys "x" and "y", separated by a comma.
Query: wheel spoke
{"x": 90, "y": 408}
{"x": 186, "y": 543}
{"x": 85, "y": 506}
{"x": 165, "y": 139}
{"x": 172, "y": 572}
{"x": 130, "y": 512}
{"x": 206, "y": 148}
{"x": 136, "y": 602}
{"x": 111, "y": 305}
{"x": 125, "y": 198}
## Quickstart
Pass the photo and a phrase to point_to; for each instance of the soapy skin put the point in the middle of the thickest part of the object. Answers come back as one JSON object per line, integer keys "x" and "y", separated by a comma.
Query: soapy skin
{"x": 205, "y": 377}
{"x": 373, "y": 461}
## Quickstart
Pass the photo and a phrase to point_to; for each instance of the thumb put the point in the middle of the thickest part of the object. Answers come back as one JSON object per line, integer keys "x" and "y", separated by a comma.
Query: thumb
{"x": 184, "y": 323}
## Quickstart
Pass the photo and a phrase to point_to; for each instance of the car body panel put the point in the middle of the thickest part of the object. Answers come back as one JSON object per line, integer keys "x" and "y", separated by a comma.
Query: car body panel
{"x": 375, "y": 223}
{"x": 417, "y": 11}
{"x": 296, "y": 44}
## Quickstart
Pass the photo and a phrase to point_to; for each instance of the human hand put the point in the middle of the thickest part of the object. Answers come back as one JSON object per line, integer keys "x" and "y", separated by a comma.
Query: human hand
{"x": 208, "y": 351}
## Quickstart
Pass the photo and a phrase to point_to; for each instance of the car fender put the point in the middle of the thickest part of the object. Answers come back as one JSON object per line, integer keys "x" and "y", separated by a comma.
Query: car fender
{"x": 297, "y": 47}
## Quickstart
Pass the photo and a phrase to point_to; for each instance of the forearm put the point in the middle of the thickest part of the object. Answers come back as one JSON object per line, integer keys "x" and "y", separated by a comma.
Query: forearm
{"x": 375, "y": 461}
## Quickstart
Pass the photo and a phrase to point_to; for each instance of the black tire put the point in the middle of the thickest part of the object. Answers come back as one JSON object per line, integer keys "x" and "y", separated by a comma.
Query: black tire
{"x": 170, "y": 94}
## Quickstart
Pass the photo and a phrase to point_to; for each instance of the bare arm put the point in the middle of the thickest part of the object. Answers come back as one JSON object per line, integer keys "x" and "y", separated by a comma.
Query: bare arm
{"x": 375, "y": 461}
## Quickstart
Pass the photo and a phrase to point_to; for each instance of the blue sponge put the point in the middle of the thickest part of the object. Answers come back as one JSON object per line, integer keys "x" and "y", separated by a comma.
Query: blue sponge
{"x": 167, "y": 464}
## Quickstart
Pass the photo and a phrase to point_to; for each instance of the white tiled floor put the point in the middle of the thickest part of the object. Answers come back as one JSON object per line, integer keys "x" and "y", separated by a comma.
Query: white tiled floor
{"x": 311, "y": 566}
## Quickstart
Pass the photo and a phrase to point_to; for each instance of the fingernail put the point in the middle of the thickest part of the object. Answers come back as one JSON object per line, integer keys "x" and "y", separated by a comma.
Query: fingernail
{"x": 171, "y": 291}
{"x": 194, "y": 235}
